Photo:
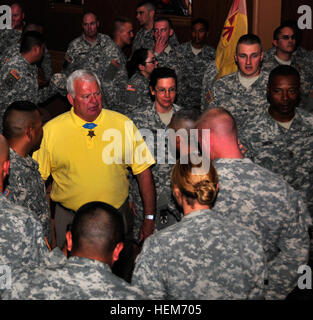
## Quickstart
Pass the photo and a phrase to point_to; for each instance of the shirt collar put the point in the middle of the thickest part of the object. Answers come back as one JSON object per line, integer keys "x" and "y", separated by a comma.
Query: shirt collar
{"x": 79, "y": 122}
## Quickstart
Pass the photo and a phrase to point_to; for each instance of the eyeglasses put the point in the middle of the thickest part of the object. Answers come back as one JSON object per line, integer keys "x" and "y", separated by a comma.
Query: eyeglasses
{"x": 287, "y": 37}
{"x": 162, "y": 91}
{"x": 152, "y": 61}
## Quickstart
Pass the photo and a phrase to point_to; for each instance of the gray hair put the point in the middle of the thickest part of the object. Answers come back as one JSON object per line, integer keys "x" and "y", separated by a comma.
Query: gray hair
{"x": 80, "y": 74}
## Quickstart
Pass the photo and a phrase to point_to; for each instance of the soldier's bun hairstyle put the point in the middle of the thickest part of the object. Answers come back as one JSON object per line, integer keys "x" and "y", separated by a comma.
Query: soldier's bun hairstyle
{"x": 195, "y": 187}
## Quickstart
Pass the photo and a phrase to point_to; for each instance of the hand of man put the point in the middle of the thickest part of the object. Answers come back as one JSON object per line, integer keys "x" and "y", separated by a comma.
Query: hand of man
{"x": 160, "y": 44}
{"x": 147, "y": 229}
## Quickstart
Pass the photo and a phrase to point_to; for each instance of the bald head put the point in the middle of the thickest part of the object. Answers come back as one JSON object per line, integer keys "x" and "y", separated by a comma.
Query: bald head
{"x": 220, "y": 122}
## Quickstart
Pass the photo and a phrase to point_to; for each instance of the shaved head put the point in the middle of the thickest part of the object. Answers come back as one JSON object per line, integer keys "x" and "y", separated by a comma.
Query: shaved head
{"x": 219, "y": 121}
{"x": 19, "y": 116}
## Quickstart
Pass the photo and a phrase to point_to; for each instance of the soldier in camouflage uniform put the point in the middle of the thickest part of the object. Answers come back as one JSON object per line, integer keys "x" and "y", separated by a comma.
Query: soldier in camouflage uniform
{"x": 19, "y": 77}
{"x": 256, "y": 198}
{"x": 243, "y": 93}
{"x": 203, "y": 256}
{"x": 209, "y": 78}
{"x": 140, "y": 67}
{"x": 98, "y": 53}
{"x": 86, "y": 274}
{"x": 285, "y": 53}
{"x": 14, "y": 49}
{"x": 21, "y": 235}
{"x": 8, "y": 37}
{"x": 281, "y": 138}
{"x": 193, "y": 57}
{"x": 145, "y": 36}
{"x": 25, "y": 185}
{"x": 149, "y": 117}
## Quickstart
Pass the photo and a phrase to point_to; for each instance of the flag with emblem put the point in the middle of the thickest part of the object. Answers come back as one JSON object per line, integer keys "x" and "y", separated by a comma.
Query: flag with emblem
{"x": 235, "y": 26}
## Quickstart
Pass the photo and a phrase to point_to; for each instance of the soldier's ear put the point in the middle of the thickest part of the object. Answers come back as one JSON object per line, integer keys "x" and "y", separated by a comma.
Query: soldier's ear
{"x": 29, "y": 133}
{"x": 117, "y": 250}
{"x": 171, "y": 32}
{"x": 152, "y": 91}
{"x": 141, "y": 67}
{"x": 275, "y": 43}
{"x": 69, "y": 240}
{"x": 5, "y": 168}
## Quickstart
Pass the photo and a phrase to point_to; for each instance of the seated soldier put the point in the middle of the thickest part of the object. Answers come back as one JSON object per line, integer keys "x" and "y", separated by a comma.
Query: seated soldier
{"x": 94, "y": 244}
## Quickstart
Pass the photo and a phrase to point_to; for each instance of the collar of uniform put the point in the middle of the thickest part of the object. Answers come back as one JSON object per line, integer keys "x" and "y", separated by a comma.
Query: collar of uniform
{"x": 197, "y": 213}
{"x": 97, "y": 40}
{"x": 232, "y": 160}
{"x": 79, "y": 122}
{"x": 82, "y": 261}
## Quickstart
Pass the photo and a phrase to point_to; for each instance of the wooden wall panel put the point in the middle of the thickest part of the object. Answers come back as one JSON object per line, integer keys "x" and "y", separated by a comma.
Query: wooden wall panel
{"x": 290, "y": 12}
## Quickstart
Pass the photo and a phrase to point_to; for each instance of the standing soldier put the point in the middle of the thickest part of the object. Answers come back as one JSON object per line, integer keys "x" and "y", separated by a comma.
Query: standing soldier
{"x": 22, "y": 126}
{"x": 243, "y": 93}
{"x": 144, "y": 37}
{"x": 193, "y": 57}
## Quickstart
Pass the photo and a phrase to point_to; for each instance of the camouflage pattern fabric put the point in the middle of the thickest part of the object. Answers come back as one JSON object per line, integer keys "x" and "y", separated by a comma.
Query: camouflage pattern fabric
{"x": 209, "y": 78}
{"x": 8, "y": 37}
{"x": 255, "y": 198}
{"x": 26, "y": 188}
{"x": 98, "y": 58}
{"x": 192, "y": 68}
{"x": 145, "y": 39}
{"x": 167, "y": 212}
{"x": 21, "y": 236}
{"x": 18, "y": 81}
{"x": 201, "y": 257}
{"x": 289, "y": 153}
{"x": 77, "y": 278}
{"x": 299, "y": 62}
{"x": 14, "y": 50}
{"x": 241, "y": 102}
{"x": 137, "y": 91}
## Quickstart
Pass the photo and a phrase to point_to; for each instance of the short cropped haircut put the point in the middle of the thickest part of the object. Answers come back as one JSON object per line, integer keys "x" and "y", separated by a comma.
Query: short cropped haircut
{"x": 286, "y": 24}
{"x": 158, "y": 19}
{"x": 12, "y": 128}
{"x": 118, "y": 23}
{"x": 30, "y": 39}
{"x": 150, "y": 6}
{"x": 161, "y": 73}
{"x": 283, "y": 70}
{"x": 97, "y": 223}
{"x": 202, "y": 21}
{"x": 249, "y": 38}
{"x": 89, "y": 12}
{"x": 192, "y": 114}
{"x": 80, "y": 74}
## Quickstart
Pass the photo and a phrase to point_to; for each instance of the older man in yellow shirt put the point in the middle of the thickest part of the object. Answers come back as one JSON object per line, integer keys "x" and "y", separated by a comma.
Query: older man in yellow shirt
{"x": 88, "y": 151}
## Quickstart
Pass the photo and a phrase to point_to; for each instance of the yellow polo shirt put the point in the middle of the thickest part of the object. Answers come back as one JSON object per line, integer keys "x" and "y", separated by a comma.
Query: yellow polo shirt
{"x": 93, "y": 168}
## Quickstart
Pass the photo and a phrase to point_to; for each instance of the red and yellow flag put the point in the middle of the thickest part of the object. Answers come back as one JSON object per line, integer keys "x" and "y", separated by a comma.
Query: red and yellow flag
{"x": 235, "y": 26}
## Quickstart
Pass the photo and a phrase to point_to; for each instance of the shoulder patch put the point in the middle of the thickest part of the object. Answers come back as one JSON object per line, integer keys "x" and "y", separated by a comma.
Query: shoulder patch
{"x": 6, "y": 192}
{"x": 209, "y": 96}
{"x": 15, "y": 74}
{"x": 131, "y": 87}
